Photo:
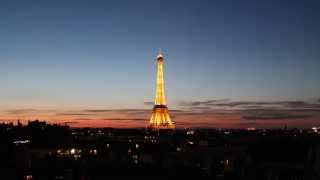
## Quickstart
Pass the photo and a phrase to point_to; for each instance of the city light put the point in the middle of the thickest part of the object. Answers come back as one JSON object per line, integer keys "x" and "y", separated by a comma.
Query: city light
{"x": 72, "y": 151}
{"x": 21, "y": 141}
{"x": 315, "y": 129}
{"x": 28, "y": 177}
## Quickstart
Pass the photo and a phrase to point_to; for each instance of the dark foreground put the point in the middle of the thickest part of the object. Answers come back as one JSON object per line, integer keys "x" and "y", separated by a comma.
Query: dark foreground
{"x": 49, "y": 152}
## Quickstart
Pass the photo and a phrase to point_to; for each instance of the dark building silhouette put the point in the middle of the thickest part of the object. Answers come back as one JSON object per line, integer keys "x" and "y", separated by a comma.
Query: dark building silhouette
{"x": 41, "y": 151}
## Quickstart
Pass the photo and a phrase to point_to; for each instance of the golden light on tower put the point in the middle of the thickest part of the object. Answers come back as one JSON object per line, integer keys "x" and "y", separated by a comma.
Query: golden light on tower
{"x": 160, "y": 118}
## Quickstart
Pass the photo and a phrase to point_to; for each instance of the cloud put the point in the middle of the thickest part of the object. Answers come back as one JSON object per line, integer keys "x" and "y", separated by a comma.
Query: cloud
{"x": 83, "y": 119}
{"x": 203, "y": 103}
{"x": 111, "y": 119}
{"x": 258, "y": 104}
{"x": 300, "y": 104}
{"x": 97, "y": 110}
{"x": 275, "y": 117}
{"x": 226, "y": 103}
{"x": 70, "y": 122}
{"x": 244, "y": 111}
{"x": 201, "y": 108}
{"x": 174, "y": 110}
{"x": 115, "y": 110}
{"x": 72, "y": 114}
{"x": 265, "y": 114}
{"x": 26, "y": 111}
{"x": 184, "y": 113}
{"x": 125, "y": 119}
{"x": 148, "y": 103}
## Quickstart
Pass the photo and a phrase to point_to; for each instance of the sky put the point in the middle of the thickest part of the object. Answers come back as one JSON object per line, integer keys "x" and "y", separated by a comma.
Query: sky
{"x": 231, "y": 63}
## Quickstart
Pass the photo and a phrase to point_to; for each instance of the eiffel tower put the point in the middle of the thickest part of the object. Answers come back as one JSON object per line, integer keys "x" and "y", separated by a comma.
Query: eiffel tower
{"x": 160, "y": 118}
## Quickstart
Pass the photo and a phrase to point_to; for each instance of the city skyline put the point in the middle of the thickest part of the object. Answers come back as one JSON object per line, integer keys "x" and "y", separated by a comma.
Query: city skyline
{"x": 230, "y": 64}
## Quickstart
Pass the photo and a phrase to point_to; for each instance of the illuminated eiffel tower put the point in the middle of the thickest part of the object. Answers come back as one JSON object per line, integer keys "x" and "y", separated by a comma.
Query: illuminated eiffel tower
{"x": 160, "y": 118}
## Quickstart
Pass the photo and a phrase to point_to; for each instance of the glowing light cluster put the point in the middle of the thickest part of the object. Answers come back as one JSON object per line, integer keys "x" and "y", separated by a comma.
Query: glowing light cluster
{"x": 160, "y": 98}
{"x": 160, "y": 118}
{"x": 21, "y": 141}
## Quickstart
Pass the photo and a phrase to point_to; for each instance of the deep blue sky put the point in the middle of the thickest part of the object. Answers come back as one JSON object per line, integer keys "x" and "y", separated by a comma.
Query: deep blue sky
{"x": 72, "y": 54}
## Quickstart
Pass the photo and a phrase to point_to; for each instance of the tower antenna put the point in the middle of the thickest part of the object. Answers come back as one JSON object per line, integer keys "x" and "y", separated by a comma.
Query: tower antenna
{"x": 159, "y": 53}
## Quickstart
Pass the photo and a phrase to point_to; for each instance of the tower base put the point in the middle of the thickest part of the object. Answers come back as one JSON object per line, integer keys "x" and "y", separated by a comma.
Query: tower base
{"x": 160, "y": 118}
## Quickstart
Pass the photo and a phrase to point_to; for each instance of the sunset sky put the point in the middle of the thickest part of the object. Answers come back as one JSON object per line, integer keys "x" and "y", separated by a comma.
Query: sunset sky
{"x": 231, "y": 63}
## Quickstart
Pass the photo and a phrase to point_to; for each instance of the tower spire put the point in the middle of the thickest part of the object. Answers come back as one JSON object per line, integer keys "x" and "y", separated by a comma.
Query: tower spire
{"x": 159, "y": 53}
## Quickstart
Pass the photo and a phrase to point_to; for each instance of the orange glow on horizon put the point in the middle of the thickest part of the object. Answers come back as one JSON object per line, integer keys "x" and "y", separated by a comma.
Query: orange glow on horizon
{"x": 138, "y": 120}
